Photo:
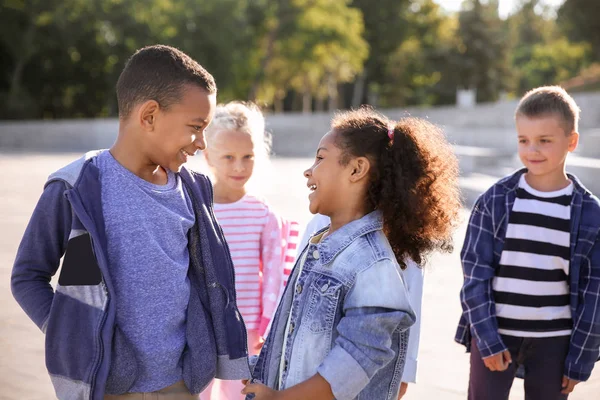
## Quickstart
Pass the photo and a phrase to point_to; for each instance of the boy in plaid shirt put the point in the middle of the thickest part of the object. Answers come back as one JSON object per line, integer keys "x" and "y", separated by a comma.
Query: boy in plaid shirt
{"x": 531, "y": 262}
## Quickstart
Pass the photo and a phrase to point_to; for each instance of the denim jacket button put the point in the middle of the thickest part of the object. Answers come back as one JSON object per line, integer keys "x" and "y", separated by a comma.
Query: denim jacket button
{"x": 291, "y": 328}
{"x": 316, "y": 254}
{"x": 298, "y": 288}
{"x": 324, "y": 287}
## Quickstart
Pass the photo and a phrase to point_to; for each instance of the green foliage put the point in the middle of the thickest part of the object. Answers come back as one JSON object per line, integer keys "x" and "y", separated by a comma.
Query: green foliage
{"x": 540, "y": 55}
{"x": 313, "y": 41}
{"x": 422, "y": 68}
{"x": 554, "y": 62}
{"x": 579, "y": 19}
{"x": 483, "y": 52}
{"x": 61, "y": 59}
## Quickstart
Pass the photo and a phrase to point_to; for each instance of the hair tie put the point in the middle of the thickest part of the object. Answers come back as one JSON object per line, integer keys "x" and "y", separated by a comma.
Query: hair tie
{"x": 391, "y": 133}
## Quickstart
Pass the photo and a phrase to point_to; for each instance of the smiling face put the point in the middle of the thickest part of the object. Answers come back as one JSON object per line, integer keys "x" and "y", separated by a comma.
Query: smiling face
{"x": 327, "y": 178}
{"x": 231, "y": 157}
{"x": 178, "y": 132}
{"x": 544, "y": 145}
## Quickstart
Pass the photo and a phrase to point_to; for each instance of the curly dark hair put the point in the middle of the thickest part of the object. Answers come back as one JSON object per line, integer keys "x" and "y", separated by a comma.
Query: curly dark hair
{"x": 413, "y": 179}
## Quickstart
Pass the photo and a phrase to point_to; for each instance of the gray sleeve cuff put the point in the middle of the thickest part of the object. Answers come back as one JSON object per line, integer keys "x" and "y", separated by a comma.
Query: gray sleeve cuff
{"x": 232, "y": 369}
{"x": 252, "y": 361}
{"x": 336, "y": 368}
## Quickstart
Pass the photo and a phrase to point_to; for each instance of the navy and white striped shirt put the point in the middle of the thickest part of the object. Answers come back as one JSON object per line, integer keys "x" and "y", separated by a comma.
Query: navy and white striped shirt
{"x": 531, "y": 288}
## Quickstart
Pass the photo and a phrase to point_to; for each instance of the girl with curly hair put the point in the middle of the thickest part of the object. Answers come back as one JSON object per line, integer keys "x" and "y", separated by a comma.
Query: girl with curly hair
{"x": 340, "y": 331}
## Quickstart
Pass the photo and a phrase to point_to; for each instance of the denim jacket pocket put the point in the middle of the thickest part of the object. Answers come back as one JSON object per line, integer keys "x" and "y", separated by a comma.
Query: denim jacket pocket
{"x": 323, "y": 301}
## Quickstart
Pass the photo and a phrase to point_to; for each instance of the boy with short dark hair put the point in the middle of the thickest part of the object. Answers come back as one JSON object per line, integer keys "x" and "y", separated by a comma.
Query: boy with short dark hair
{"x": 531, "y": 261}
{"x": 145, "y": 301}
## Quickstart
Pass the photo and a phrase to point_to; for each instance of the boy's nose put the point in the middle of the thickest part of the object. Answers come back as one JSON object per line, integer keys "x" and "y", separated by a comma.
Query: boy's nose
{"x": 200, "y": 142}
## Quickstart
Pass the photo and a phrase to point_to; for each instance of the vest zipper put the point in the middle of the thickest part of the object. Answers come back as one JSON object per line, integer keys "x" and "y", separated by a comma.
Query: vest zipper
{"x": 76, "y": 204}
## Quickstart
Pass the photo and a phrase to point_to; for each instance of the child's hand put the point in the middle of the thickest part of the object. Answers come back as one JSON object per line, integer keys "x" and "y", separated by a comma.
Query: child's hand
{"x": 403, "y": 388}
{"x": 568, "y": 385}
{"x": 498, "y": 362}
{"x": 261, "y": 392}
{"x": 261, "y": 342}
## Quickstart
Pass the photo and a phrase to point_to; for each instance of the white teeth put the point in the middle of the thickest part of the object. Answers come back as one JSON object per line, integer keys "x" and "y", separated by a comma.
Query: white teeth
{"x": 313, "y": 187}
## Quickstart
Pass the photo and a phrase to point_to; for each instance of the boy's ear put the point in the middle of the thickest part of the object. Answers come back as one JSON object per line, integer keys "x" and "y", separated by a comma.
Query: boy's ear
{"x": 360, "y": 167}
{"x": 147, "y": 114}
{"x": 573, "y": 141}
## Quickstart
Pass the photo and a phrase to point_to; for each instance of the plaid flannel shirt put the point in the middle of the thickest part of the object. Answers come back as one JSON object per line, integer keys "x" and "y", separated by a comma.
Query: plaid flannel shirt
{"x": 480, "y": 257}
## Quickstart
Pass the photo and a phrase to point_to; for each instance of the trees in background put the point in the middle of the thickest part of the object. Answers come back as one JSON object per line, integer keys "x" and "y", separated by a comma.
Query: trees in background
{"x": 579, "y": 20}
{"x": 541, "y": 53}
{"x": 483, "y": 50}
{"x": 309, "y": 48}
{"x": 62, "y": 58}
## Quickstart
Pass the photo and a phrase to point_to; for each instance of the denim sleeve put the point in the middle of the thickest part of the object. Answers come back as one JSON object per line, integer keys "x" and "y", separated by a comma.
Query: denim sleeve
{"x": 44, "y": 243}
{"x": 477, "y": 258}
{"x": 585, "y": 339}
{"x": 375, "y": 307}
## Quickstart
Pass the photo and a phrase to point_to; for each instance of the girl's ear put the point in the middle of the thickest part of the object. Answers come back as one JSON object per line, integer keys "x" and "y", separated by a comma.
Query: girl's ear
{"x": 360, "y": 167}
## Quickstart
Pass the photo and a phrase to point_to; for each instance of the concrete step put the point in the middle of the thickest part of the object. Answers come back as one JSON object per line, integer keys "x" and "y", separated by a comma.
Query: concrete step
{"x": 476, "y": 180}
{"x": 473, "y": 159}
{"x": 589, "y": 143}
{"x": 587, "y": 170}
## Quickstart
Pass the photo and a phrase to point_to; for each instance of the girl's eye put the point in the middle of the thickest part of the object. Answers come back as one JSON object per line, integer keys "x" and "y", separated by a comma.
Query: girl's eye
{"x": 522, "y": 140}
{"x": 228, "y": 157}
{"x": 197, "y": 128}
{"x": 319, "y": 158}
{"x": 248, "y": 157}
{"x": 545, "y": 141}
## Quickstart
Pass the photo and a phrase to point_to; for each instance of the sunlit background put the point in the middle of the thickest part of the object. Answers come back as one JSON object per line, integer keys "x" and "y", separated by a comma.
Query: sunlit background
{"x": 461, "y": 64}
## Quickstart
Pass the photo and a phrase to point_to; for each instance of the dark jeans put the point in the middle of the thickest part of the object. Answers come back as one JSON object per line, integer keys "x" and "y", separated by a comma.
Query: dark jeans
{"x": 543, "y": 360}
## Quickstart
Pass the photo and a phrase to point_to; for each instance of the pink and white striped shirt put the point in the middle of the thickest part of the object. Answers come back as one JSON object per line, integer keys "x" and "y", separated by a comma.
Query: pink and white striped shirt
{"x": 258, "y": 242}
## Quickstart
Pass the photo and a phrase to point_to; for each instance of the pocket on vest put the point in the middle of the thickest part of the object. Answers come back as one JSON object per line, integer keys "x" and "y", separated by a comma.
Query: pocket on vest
{"x": 80, "y": 266}
{"x": 72, "y": 335}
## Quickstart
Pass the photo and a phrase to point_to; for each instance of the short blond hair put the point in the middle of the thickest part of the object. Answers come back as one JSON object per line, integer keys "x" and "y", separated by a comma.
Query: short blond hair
{"x": 550, "y": 100}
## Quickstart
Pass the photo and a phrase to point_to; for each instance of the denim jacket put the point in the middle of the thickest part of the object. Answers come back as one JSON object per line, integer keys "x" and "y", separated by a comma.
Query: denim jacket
{"x": 350, "y": 314}
{"x": 481, "y": 255}
{"x": 78, "y": 317}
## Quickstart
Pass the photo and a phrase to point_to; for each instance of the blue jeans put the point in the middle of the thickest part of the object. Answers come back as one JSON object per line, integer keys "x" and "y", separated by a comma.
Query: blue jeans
{"x": 543, "y": 361}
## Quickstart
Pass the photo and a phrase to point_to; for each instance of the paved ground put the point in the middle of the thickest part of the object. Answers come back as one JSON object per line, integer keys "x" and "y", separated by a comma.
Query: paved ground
{"x": 443, "y": 364}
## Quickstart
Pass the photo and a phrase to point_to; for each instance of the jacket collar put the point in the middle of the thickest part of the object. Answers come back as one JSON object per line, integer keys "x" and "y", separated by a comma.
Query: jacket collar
{"x": 511, "y": 182}
{"x": 333, "y": 244}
